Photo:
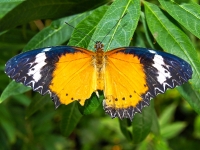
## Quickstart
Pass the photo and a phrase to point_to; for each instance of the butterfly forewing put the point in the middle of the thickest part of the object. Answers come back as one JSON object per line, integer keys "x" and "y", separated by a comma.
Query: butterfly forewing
{"x": 66, "y": 73}
{"x": 135, "y": 75}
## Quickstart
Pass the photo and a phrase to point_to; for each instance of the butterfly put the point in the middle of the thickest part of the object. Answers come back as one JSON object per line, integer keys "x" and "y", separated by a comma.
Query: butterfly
{"x": 128, "y": 76}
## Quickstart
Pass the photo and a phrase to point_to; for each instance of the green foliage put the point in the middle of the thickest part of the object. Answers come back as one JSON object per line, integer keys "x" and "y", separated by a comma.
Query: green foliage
{"x": 29, "y": 121}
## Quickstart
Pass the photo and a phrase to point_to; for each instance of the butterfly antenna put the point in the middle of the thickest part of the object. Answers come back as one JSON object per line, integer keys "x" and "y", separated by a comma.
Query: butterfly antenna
{"x": 80, "y": 31}
{"x": 113, "y": 27}
{"x": 91, "y": 36}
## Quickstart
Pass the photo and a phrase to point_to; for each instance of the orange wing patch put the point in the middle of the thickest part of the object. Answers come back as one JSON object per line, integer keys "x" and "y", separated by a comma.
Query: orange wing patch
{"x": 74, "y": 77}
{"x": 125, "y": 82}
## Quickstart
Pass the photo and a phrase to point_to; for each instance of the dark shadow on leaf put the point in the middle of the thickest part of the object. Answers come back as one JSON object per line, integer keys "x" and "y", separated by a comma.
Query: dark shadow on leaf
{"x": 32, "y": 10}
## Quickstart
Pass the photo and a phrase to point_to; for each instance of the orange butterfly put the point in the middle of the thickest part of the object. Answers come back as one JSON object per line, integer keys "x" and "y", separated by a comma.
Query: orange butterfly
{"x": 128, "y": 76}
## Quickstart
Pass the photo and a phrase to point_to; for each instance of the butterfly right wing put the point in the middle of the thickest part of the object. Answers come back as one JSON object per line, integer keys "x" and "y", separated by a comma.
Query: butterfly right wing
{"x": 64, "y": 72}
{"x": 134, "y": 75}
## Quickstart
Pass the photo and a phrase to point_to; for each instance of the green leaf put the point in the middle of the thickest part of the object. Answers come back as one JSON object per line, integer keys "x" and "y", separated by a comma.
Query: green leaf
{"x": 13, "y": 89}
{"x": 172, "y": 39}
{"x": 143, "y": 145}
{"x": 116, "y": 30}
{"x": 146, "y": 31}
{"x": 125, "y": 128}
{"x": 42, "y": 121}
{"x": 155, "y": 128}
{"x": 22, "y": 99}
{"x": 172, "y": 130}
{"x": 70, "y": 118}
{"x": 167, "y": 115}
{"x": 7, "y": 6}
{"x": 55, "y": 34}
{"x": 15, "y": 39}
{"x": 141, "y": 125}
{"x": 7, "y": 124}
{"x": 160, "y": 143}
{"x": 91, "y": 104}
{"x": 196, "y": 131}
{"x": 157, "y": 143}
{"x": 192, "y": 96}
{"x": 187, "y": 14}
{"x": 37, "y": 102}
{"x": 85, "y": 29}
{"x": 44, "y": 9}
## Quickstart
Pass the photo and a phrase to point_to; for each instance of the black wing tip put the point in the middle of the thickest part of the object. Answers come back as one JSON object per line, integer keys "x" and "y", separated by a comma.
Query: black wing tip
{"x": 129, "y": 112}
{"x": 170, "y": 83}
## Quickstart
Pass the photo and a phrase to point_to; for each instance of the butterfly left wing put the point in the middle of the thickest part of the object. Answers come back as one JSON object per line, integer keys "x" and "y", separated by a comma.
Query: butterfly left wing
{"x": 64, "y": 72}
{"x": 133, "y": 76}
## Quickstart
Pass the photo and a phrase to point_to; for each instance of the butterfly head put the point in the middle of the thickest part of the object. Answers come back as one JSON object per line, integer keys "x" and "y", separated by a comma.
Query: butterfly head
{"x": 98, "y": 46}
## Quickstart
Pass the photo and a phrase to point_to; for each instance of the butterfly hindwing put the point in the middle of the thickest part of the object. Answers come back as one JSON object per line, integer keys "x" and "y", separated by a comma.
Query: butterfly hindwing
{"x": 52, "y": 69}
{"x": 138, "y": 75}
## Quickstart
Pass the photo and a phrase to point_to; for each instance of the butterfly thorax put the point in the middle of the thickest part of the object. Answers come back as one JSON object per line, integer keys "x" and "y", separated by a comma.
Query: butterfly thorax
{"x": 99, "y": 54}
{"x": 100, "y": 64}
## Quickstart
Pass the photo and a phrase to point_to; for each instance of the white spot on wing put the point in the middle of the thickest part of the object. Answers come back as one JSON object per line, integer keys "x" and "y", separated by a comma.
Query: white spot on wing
{"x": 163, "y": 74}
{"x": 153, "y": 52}
{"x": 46, "y": 49}
{"x": 35, "y": 71}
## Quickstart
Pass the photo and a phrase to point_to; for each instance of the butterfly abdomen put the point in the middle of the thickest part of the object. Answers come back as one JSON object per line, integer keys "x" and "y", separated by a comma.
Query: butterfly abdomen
{"x": 100, "y": 66}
